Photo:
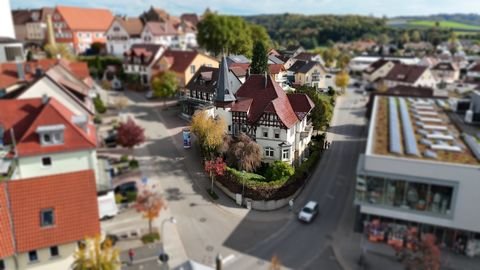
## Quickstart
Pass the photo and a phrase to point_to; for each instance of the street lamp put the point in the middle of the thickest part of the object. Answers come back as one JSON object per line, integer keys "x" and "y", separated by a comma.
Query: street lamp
{"x": 163, "y": 257}
{"x": 243, "y": 183}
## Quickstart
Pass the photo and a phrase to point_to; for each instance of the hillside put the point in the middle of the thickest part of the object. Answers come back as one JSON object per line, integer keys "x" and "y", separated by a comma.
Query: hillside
{"x": 467, "y": 19}
{"x": 312, "y": 31}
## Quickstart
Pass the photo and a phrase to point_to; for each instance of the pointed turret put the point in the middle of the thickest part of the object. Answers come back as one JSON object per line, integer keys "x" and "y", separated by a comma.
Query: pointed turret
{"x": 223, "y": 92}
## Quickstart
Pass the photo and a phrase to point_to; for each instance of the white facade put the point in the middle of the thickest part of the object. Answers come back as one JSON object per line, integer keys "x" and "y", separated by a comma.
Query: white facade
{"x": 425, "y": 80}
{"x": 6, "y": 21}
{"x": 118, "y": 40}
{"x": 165, "y": 40}
{"x": 145, "y": 72}
{"x": 360, "y": 63}
{"x": 62, "y": 162}
{"x": 47, "y": 87}
{"x": 45, "y": 260}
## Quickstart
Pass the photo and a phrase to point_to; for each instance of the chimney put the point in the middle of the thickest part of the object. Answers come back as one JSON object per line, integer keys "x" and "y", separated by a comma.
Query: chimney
{"x": 265, "y": 78}
{"x": 218, "y": 262}
{"x": 248, "y": 73}
{"x": 20, "y": 70}
{"x": 45, "y": 99}
{"x": 50, "y": 34}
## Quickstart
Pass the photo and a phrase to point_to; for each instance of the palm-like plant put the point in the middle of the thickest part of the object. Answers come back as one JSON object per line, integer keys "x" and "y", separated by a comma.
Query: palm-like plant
{"x": 245, "y": 154}
{"x": 95, "y": 255}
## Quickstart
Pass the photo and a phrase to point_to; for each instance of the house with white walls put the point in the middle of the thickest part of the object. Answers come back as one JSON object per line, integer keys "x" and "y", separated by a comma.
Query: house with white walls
{"x": 122, "y": 34}
{"x": 410, "y": 75}
{"x": 140, "y": 59}
{"x": 261, "y": 109}
{"x": 10, "y": 48}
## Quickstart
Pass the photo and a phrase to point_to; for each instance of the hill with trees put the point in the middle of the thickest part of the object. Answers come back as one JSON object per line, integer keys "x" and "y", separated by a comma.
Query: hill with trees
{"x": 313, "y": 31}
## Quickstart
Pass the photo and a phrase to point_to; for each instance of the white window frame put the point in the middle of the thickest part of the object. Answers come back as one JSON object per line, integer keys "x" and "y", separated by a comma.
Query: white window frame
{"x": 265, "y": 132}
{"x": 269, "y": 152}
{"x": 275, "y": 133}
{"x": 286, "y": 154}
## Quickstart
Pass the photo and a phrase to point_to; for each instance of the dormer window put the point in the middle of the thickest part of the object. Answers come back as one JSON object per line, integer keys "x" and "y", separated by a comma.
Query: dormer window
{"x": 51, "y": 135}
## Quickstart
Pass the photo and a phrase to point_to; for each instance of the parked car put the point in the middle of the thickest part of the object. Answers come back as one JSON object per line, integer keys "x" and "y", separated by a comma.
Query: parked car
{"x": 126, "y": 188}
{"x": 110, "y": 140}
{"x": 308, "y": 212}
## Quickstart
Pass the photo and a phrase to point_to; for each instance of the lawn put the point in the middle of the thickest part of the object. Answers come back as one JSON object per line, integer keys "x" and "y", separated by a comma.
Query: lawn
{"x": 444, "y": 24}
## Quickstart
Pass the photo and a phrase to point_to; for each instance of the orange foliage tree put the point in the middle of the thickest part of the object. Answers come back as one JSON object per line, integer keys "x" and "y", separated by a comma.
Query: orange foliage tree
{"x": 150, "y": 204}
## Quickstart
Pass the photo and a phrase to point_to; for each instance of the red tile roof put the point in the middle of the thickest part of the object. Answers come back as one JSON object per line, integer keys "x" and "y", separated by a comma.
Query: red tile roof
{"x": 73, "y": 198}
{"x": 6, "y": 240}
{"x": 266, "y": 98}
{"x": 161, "y": 28}
{"x": 240, "y": 69}
{"x": 275, "y": 68}
{"x": 9, "y": 72}
{"x": 301, "y": 104}
{"x": 181, "y": 59}
{"x": 405, "y": 73}
{"x": 26, "y": 115}
{"x": 85, "y": 19}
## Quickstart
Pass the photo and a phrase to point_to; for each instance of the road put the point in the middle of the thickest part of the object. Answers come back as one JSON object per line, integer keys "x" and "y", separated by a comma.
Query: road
{"x": 248, "y": 238}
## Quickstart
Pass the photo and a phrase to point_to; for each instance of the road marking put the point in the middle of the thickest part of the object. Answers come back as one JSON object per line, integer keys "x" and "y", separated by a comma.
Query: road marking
{"x": 228, "y": 259}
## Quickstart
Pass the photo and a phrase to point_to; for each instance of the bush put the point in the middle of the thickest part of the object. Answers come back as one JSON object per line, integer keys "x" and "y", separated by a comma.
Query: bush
{"x": 150, "y": 237}
{"x": 99, "y": 105}
{"x": 124, "y": 158}
{"x": 118, "y": 198}
{"x": 131, "y": 196}
{"x": 279, "y": 170}
{"x": 212, "y": 194}
{"x": 97, "y": 119}
{"x": 133, "y": 164}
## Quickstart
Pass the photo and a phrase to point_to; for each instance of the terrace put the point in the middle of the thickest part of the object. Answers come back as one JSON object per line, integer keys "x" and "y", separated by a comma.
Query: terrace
{"x": 418, "y": 128}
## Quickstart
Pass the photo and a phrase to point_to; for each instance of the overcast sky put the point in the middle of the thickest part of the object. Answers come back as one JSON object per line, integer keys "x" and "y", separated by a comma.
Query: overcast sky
{"x": 389, "y": 8}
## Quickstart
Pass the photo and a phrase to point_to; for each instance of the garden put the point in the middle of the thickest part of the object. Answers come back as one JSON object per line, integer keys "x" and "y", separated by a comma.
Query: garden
{"x": 236, "y": 162}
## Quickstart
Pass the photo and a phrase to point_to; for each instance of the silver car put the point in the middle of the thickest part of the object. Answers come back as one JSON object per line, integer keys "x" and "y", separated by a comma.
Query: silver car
{"x": 308, "y": 212}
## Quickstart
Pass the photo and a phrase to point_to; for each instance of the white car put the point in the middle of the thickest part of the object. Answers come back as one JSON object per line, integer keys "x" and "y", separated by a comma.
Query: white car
{"x": 309, "y": 211}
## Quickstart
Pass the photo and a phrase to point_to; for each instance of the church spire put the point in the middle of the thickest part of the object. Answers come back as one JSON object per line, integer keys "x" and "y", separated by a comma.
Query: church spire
{"x": 223, "y": 92}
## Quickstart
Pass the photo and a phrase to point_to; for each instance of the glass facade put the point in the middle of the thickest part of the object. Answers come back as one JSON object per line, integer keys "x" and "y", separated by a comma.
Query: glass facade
{"x": 405, "y": 195}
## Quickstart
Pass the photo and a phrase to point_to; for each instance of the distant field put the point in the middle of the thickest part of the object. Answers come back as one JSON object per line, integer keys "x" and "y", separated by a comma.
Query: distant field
{"x": 459, "y": 28}
{"x": 445, "y": 24}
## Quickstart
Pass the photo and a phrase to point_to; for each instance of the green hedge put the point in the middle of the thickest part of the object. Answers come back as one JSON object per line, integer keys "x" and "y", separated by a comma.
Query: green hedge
{"x": 99, "y": 105}
{"x": 150, "y": 237}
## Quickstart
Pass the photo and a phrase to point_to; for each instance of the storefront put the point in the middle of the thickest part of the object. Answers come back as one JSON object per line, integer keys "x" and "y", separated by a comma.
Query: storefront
{"x": 405, "y": 234}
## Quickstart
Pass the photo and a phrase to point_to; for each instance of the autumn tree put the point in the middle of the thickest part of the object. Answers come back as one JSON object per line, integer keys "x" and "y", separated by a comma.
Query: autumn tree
{"x": 209, "y": 131}
{"x": 150, "y": 204}
{"x": 343, "y": 60}
{"x": 330, "y": 55}
{"x": 416, "y": 37}
{"x": 405, "y": 37}
{"x": 129, "y": 134}
{"x": 342, "y": 79}
{"x": 55, "y": 50}
{"x": 95, "y": 255}
{"x": 275, "y": 263}
{"x": 165, "y": 85}
{"x": 260, "y": 59}
{"x": 215, "y": 167}
{"x": 244, "y": 154}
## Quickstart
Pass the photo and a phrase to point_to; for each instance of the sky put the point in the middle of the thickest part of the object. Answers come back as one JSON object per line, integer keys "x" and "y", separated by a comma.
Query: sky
{"x": 379, "y": 8}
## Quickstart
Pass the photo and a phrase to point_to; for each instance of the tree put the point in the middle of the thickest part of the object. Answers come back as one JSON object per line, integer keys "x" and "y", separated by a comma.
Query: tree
{"x": 342, "y": 79}
{"x": 405, "y": 38}
{"x": 416, "y": 37}
{"x": 209, "y": 131}
{"x": 62, "y": 50}
{"x": 330, "y": 55}
{"x": 260, "y": 59}
{"x": 323, "y": 110}
{"x": 165, "y": 85}
{"x": 279, "y": 170}
{"x": 129, "y": 134}
{"x": 244, "y": 154}
{"x": 383, "y": 39}
{"x": 95, "y": 255}
{"x": 150, "y": 204}
{"x": 275, "y": 263}
{"x": 343, "y": 61}
{"x": 423, "y": 254}
{"x": 97, "y": 48}
{"x": 215, "y": 168}
{"x": 259, "y": 34}
{"x": 229, "y": 34}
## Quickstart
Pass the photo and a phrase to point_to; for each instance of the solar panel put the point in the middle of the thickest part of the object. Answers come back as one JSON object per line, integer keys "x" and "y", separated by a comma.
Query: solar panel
{"x": 408, "y": 133}
{"x": 394, "y": 128}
